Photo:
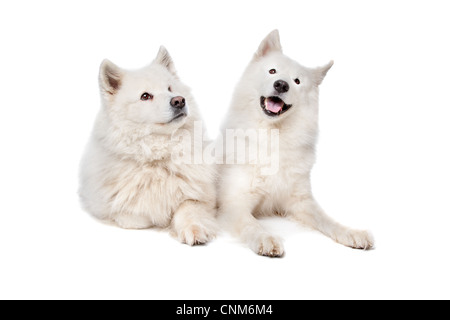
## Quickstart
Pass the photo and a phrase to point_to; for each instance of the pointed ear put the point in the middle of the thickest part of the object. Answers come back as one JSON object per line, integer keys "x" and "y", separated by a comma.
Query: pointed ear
{"x": 271, "y": 43}
{"x": 321, "y": 72}
{"x": 110, "y": 77}
{"x": 163, "y": 57}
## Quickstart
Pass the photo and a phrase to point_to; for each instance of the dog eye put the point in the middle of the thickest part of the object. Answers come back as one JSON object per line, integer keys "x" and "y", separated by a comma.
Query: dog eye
{"x": 272, "y": 71}
{"x": 170, "y": 89}
{"x": 297, "y": 81}
{"x": 146, "y": 96}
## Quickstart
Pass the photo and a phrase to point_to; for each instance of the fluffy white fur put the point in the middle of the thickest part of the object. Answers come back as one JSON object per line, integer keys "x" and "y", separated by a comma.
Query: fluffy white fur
{"x": 127, "y": 174}
{"x": 244, "y": 193}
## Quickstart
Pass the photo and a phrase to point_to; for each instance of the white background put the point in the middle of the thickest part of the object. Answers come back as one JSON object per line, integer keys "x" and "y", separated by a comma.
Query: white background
{"x": 383, "y": 154}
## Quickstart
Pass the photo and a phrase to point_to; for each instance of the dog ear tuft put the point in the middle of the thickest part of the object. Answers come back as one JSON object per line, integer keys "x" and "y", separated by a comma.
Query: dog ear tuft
{"x": 271, "y": 43}
{"x": 110, "y": 77}
{"x": 163, "y": 57}
{"x": 321, "y": 72}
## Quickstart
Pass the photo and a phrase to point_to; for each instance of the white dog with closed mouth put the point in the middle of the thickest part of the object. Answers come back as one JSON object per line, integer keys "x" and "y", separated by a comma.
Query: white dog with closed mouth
{"x": 127, "y": 174}
{"x": 276, "y": 92}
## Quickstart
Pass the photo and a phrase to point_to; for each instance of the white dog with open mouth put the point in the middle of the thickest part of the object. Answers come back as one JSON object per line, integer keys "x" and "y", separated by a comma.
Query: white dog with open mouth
{"x": 276, "y": 92}
{"x": 128, "y": 174}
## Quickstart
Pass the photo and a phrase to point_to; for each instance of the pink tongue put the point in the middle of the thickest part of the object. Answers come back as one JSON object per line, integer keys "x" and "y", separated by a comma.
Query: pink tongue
{"x": 273, "y": 106}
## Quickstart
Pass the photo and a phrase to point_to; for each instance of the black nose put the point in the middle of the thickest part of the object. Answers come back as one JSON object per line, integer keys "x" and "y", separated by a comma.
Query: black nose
{"x": 178, "y": 102}
{"x": 281, "y": 86}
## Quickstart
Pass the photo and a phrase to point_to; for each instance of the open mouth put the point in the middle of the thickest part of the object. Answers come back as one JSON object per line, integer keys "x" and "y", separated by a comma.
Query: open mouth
{"x": 274, "y": 106}
{"x": 178, "y": 117}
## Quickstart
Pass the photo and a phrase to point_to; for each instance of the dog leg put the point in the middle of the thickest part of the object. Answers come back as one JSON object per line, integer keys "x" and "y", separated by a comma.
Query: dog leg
{"x": 128, "y": 221}
{"x": 194, "y": 223}
{"x": 259, "y": 240}
{"x": 237, "y": 216}
{"x": 306, "y": 210}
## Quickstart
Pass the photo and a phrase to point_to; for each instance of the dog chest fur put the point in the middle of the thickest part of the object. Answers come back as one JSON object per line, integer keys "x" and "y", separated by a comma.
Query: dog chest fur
{"x": 155, "y": 189}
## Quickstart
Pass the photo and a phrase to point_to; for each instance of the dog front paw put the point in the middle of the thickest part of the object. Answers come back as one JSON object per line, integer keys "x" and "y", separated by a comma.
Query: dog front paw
{"x": 269, "y": 246}
{"x": 357, "y": 239}
{"x": 195, "y": 234}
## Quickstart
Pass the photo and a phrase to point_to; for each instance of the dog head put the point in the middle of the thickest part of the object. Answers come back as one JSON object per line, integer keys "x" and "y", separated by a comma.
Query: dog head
{"x": 152, "y": 97}
{"x": 281, "y": 85}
